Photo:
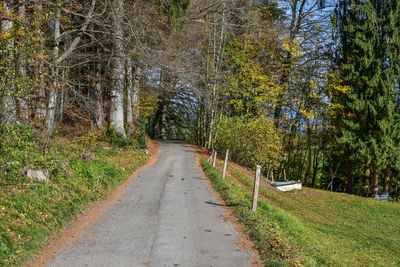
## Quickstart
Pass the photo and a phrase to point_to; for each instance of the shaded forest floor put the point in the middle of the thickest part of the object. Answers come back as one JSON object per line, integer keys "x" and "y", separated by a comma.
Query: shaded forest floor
{"x": 311, "y": 227}
{"x": 31, "y": 211}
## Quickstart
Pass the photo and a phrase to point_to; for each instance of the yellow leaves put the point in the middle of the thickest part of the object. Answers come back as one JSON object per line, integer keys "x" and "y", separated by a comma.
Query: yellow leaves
{"x": 203, "y": 46}
{"x": 41, "y": 56}
{"x": 20, "y": 33}
{"x": 341, "y": 88}
{"x": 251, "y": 140}
{"x": 293, "y": 47}
{"x": 314, "y": 95}
{"x": 309, "y": 114}
{"x": 4, "y": 36}
{"x": 335, "y": 106}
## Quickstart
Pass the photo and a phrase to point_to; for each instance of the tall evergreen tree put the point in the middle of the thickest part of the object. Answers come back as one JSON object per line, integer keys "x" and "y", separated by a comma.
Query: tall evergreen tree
{"x": 368, "y": 32}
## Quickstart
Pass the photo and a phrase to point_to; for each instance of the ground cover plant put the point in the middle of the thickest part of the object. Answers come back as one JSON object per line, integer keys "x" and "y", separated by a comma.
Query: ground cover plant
{"x": 320, "y": 228}
{"x": 31, "y": 210}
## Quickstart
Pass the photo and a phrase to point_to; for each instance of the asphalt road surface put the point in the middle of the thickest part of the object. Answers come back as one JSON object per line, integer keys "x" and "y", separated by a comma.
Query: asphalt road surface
{"x": 167, "y": 217}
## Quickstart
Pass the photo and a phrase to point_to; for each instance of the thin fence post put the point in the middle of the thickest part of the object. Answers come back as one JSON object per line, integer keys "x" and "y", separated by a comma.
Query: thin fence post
{"x": 284, "y": 175}
{"x": 215, "y": 158}
{"x": 256, "y": 188}
{"x": 211, "y": 156}
{"x": 225, "y": 164}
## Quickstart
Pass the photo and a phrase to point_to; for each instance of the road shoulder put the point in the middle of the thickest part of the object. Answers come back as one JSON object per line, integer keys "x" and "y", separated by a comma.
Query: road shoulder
{"x": 78, "y": 227}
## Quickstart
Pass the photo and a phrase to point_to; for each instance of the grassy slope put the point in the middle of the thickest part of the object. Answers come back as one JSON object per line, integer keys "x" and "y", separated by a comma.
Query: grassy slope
{"x": 325, "y": 228}
{"x": 31, "y": 211}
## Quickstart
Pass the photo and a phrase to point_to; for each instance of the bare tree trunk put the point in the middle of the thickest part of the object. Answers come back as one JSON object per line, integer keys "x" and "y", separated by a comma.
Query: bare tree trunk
{"x": 8, "y": 103}
{"x": 52, "y": 103}
{"x": 375, "y": 182}
{"x": 349, "y": 178}
{"x": 135, "y": 93}
{"x": 212, "y": 119}
{"x": 367, "y": 174}
{"x": 164, "y": 125}
{"x": 23, "y": 105}
{"x": 129, "y": 93}
{"x": 98, "y": 113}
{"x": 315, "y": 168}
{"x": 118, "y": 71}
{"x": 40, "y": 110}
{"x": 308, "y": 152}
{"x": 386, "y": 180}
{"x": 98, "y": 104}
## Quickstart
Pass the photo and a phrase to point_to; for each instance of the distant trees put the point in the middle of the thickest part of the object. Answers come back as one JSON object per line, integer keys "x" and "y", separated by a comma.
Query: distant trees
{"x": 188, "y": 69}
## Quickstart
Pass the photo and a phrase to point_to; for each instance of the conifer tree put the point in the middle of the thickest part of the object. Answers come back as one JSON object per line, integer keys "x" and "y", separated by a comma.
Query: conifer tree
{"x": 368, "y": 32}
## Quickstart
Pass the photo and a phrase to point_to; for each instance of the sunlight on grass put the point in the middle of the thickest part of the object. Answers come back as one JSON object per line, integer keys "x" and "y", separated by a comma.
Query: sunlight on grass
{"x": 328, "y": 228}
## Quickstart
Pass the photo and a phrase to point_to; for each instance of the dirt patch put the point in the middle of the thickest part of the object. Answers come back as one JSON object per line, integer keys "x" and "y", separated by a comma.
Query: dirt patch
{"x": 80, "y": 225}
{"x": 244, "y": 242}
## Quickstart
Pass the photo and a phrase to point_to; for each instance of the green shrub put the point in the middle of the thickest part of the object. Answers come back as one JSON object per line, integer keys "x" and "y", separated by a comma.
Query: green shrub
{"x": 251, "y": 141}
{"x": 137, "y": 139}
{"x": 19, "y": 148}
{"x": 113, "y": 137}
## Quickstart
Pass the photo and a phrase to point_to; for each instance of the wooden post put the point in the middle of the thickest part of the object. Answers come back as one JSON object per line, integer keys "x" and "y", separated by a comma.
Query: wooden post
{"x": 211, "y": 156}
{"x": 225, "y": 164}
{"x": 215, "y": 158}
{"x": 256, "y": 187}
{"x": 284, "y": 175}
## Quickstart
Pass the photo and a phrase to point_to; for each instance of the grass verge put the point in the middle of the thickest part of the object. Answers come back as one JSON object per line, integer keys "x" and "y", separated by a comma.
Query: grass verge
{"x": 313, "y": 227}
{"x": 273, "y": 249}
{"x": 31, "y": 211}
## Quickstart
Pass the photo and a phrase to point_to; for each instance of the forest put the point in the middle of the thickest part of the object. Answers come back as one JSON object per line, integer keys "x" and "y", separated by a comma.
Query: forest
{"x": 308, "y": 89}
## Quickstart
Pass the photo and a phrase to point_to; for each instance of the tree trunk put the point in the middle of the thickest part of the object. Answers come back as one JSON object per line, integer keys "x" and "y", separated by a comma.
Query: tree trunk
{"x": 386, "y": 180}
{"x": 23, "y": 105}
{"x": 212, "y": 118}
{"x": 308, "y": 152}
{"x": 129, "y": 93}
{"x": 40, "y": 109}
{"x": 349, "y": 178}
{"x": 367, "y": 174}
{"x": 118, "y": 69}
{"x": 52, "y": 103}
{"x": 164, "y": 125}
{"x": 135, "y": 94}
{"x": 315, "y": 169}
{"x": 98, "y": 104}
{"x": 60, "y": 116}
{"x": 9, "y": 105}
{"x": 98, "y": 113}
{"x": 375, "y": 182}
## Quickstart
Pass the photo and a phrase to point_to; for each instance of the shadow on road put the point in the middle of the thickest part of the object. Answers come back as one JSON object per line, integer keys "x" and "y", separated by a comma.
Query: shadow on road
{"x": 220, "y": 205}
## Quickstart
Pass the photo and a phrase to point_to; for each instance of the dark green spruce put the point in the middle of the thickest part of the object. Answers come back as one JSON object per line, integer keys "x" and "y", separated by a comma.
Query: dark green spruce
{"x": 367, "y": 129}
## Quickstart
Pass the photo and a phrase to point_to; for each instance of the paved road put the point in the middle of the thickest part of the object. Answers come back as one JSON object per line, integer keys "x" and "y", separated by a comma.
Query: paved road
{"x": 167, "y": 217}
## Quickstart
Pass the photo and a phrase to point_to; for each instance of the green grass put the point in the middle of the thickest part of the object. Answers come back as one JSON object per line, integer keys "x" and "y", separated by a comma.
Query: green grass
{"x": 323, "y": 228}
{"x": 31, "y": 211}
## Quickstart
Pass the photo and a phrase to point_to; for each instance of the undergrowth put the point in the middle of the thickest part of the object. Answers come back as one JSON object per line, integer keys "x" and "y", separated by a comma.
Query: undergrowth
{"x": 31, "y": 210}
